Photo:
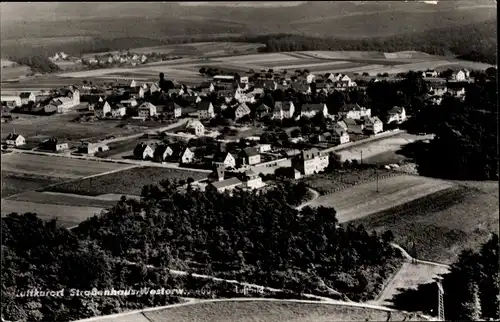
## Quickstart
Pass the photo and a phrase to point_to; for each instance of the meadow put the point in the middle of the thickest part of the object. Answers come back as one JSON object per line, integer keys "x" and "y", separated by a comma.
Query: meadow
{"x": 15, "y": 182}
{"x": 129, "y": 182}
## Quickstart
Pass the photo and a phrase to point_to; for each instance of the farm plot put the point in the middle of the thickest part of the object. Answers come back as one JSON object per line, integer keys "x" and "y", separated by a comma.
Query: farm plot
{"x": 310, "y": 64}
{"x": 14, "y": 182}
{"x": 362, "y": 200}
{"x": 67, "y": 216}
{"x": 65, "y": 199}
{"x": 257, "y": 58}
{"x": 60, "y": 167}
{"x": 442, "y": 224}
{"x": 129, "y": 182}
{"x": 267, "y": 310}
{"x": 9, "y": 73}
{"x": 345, "y": 54}
{"x": 61, "y": 127}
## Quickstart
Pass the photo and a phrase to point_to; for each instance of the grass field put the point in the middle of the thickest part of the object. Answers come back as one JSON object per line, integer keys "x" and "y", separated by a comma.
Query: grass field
{"x": 363, "y": 200}
{"x": 42, "y": 165}
{"x": 14, "y": 182}
{"x": 9, "y": 73}
{"x": 128, "y": 182}
{"x": 443, "y": 223}
{"x": 268, "y": 311}
{"x": 67, "y": 215}
{"x": 59, "y": 125}
{"x": 64, "y": 199}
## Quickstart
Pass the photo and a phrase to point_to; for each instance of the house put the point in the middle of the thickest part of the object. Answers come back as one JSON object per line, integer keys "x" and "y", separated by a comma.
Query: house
{"x": 354, "y": 125}
{"x": 137, "y": 92}
{"x": 396, "y": 114}
{"x": 341, "y": 125}
{"x": 223, "y": 78}
{"x": 252, "y": 180}
{"x": 72, "y": 93}
{"x": 11, "y": 101}
{"x": 15, "y": 139}
{"x": 438, "y": 89}
{"x": 27, "y": 97}
{"x": 430, "y": 73}
{"x": 205, "y": 110}
{"x": 263, "y": 147}
{"x": 265, "y": 84}
{"x": 53, "y": 144}
{"x": 225, "y": 159}
{"x": 310, "y": 78}
{"x": 195, "y": 127}
{"x": 154, "y": 88}
{"x": 248, "y": 156}
{"x": 353, "y": 111}
{"x": 300, "y": 87}
{"x": 241, "y": 111}
{"x": 187, "y": 156}
{"x": 133, "y": 84}
{"x": 146, "y": 110}
{"x": 373, "y": 124}
{"x": 173, "y": 110}
{"x": 310, "y": 161}
{"x": 101, "y": 109}
{"x": 461, "y": 75}
{"x": 175, "y": 92}
{"x": 340, "y": 136}
{"x": 456, "y": 89}
{"x": 92, "y": 148}
{"x": 118, "y": 111}
{"x": 143, "y": 152}
{"x": 224, "y": 185}
{"x": 310, "y": 110}
{"x": 162, "y": 152}
{"x": 63, "y": 104}
{"x": 217, "y": 174}
{"x": 262, "y": 110}
{"x": 283, "y": 110}
{"x": 129, "y": 103}
{"x": 208, "y": 86}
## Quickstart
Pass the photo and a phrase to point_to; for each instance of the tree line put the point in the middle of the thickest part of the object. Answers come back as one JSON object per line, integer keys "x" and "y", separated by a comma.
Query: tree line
{"x": 257, "y": 238}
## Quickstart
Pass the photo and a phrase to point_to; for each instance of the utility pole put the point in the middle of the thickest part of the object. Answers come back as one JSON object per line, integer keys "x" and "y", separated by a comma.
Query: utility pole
{"x": 440, "y": 300}
{"x": 376, "y": 175}
{"x": 361, "y": 157}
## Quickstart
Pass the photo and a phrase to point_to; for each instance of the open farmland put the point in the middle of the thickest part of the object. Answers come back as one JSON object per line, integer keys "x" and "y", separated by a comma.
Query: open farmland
{"x": 444, "y": 223}
{"x": 59, "y": 125}
{"x": 129, "y": 182}
{"x": 42, "y": 165}
{"x": 15, "y": 182}
{"x": 65, "y": 199}
{"x": 363, "y": 200}
{"x": 10, "y": 73}
{"x": 67, "y": 216}
{"x": 267, "y": 310}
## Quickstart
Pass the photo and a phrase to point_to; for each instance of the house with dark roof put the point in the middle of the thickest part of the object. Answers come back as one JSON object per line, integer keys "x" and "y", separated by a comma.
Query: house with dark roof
{"x": 373, "y": 124}
{"x": 27, "y": 97}
{"x": 172, "y": 110}
{"x": 15, "y": 139}
{"x": 205, "y": 110}
{"x": 396, "y": 114}
{"x": 224, "y": 159}
{"x": 143, "y": 152}
{"x": 162, "y": 152}
{"x": 262, "y": 110}
{"x": 241, "y": 111}
{"x": 340, "y": 136}
{"x": 353, "y": 111}
{"x": 248, "y": 156}
{"x": 310, "y": 161}
{"x": 312, "y": 109}
{"x": 53, "y": 144}
{"x": 355, "y": 126}
{"x": 283, "y": 110}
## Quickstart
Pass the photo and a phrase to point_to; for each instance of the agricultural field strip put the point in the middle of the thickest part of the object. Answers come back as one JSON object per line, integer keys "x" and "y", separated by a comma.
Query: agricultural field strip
{"x": 66, "y": 199}
{"x": 256, "y": 57}
{"x": 361, "y": 200}
{"x": 318, "y": 64}
{"x": 68, "y": 215}
{"x": 361, "y": 68}
{"x": 56, "y": 166}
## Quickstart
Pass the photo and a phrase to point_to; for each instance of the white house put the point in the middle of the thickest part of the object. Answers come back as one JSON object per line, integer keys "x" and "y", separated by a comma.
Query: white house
{"x": 310, "y": 110}
{"x": 27, "y": 97}
{"x": 396, "y": 114}
{"x": 187, "y": 156}
{"x": 143, "y": 152}
{"x": 249, "y": 156}
{"x": 283, "y": 110}
{"x": 430, "y": 73}
{"x": 224, "y": 185}
{"x": 146, "y": 110}
{"x": 15, "y": 139}
{"x": 195, "y": 127}
{"x": 205, "y": 110}
{"x": 118, "y": 111}
{"x": 461, "y": 75}
{"x": 340, "y": 136}
{"x": 11, "y": 101}
{"x": 263, "y": 147}
{"x": 101, "y": 109}
{"x": 252, "y": 180}
{"x": 133, "y": 83}
{"x": 129, "y": 103}
{"x": 354, "y": 111}
{"x": 241, "y": 111}
{"x": 310, "y": 161}
{"x": 310, "y": 78}
{"x": 162, "y": 152}
{"x": 373, "y": 124}
{"x": 354, "y": 126}
{"x": 225, "y": 159}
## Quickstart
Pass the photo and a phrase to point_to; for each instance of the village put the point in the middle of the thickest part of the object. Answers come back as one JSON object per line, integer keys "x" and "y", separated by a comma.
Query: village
{"x": 236, "y": 126}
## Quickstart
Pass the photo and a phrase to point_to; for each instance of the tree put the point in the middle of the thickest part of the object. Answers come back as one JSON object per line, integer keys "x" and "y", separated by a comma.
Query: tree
{"x": 489, "y": 287}
{"x": 203, "y": 71}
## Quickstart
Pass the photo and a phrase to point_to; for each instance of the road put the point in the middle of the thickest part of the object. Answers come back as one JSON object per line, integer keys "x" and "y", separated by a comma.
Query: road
{"x": 307, "y": 203}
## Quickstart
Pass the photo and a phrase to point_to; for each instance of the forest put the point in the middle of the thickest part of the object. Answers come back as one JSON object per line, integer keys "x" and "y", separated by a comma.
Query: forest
{"x": 258, "y": 238}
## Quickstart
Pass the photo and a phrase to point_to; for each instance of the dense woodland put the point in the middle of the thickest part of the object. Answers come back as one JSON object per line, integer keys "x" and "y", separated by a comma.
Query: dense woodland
{"x": 248, "y": 237}
{"x": 474, "y": 42}
{"x": 471, "y": 288}
{"x": 38, "y": 64}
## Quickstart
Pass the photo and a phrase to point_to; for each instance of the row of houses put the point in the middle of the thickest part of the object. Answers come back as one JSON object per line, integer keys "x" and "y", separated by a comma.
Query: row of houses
{"x": 64, "y": 100}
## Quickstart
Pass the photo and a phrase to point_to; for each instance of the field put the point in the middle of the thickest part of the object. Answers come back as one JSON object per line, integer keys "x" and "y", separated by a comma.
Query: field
{"x": 261, "y": 310}
{"x": 59, "y": 125}
{"x": 128, "y": 182}
{"x": 10, "y": 73}
{"x": 443, "y": 223}
{"x": 14, "y": 182}
{"x": 66, "y": 199}
{"x": 363, "y": 200}
{"x": 55, "y": 166}
{"x": 68, "y": 216}
{"x": 383, "y": 151}
{"x": 6, "y": 63}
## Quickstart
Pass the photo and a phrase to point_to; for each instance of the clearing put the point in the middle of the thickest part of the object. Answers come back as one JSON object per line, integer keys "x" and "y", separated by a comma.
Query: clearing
{"x": 60, "y": 167}
{"x": 68, "y": 216}
{"x": 362, "y": 200}
{"x": 66, "y": 199}
{"x": 128, "y": 182}
{"x": 14, "y": 182}
{"x": 443, "y": 223}
{"x": 12, "y": 73}
{"x": 267, "y": 310}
